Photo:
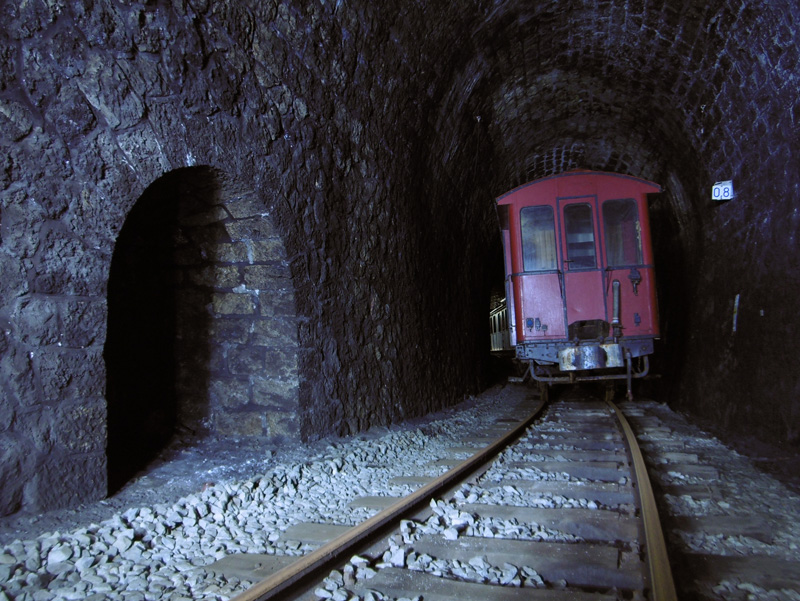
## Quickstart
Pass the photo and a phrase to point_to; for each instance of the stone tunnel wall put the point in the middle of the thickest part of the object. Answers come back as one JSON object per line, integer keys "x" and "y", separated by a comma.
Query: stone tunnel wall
{"x": 233, "y": 266}
{"x": 685, "y": 94}
{"x": 294, "y": 105}
{"x": 737, "y": 369}
{"x": 374, "y": 137}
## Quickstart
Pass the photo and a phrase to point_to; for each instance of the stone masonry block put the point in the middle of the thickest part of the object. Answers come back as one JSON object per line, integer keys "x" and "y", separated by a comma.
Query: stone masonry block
{"x": 232, "y": 252}
{"x": 80, "y": 427}
{"x": 15, "y": 462}
{"x": 143, "y": 151}
{"x": 15, "y": 120}
{"x": 83, "y": 322}
{"x": 210, "y": 215}
{"x": 271, "y": 249}
{"x": 239, "y": 423}
{"x": 64, "y": 480}
{"x": 234, "y": 329}
{"x": 208, "y": 237}
{"x": 37, "y": 321}
{"x": 282, "y": 424}
{"x": 281, "y": 364}
{"x": 229, "y": 303}
{"x": 107, "y": 89}
{"x": 275, "y": 393}
{"x": 67, "y": 267}
{"x": 253, "y": 228}
{"x": 263, "y": 277}
{"x": 276, "y": 331}
{"x": 246, "y": 360}
{"x": 70, "y": 114}
{"x": 12, "y": 278}
{"x": 7, "y": 415}
{"x": 70, "y": 374}
{"x": 216, "y": 276}
{"x": 249, "y": 207}
{"x": 16, "y": 372}
{"x": 229, "y": 393}
{"x": 279, "y": 301}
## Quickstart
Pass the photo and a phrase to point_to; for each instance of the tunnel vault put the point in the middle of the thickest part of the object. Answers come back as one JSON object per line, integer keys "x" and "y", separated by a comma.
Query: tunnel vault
{"x": 201, "y": 326}
{"x": 374, "y": 138}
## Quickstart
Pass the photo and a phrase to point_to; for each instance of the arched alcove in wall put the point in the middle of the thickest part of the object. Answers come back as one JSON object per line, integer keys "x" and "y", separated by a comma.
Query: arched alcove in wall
{"x": 201, "y": 321}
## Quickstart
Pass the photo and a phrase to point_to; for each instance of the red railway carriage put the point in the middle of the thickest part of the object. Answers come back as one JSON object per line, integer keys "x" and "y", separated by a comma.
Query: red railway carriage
{"x": 580, "y": 287}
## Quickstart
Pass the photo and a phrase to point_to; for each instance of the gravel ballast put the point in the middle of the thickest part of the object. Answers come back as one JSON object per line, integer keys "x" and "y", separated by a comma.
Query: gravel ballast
{"x": 158, "y": 551}
{"x": 201, "y": 503}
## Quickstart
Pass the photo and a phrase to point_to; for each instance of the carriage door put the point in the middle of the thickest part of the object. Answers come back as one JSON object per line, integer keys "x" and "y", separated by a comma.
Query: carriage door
{"x": 583, "y": 275}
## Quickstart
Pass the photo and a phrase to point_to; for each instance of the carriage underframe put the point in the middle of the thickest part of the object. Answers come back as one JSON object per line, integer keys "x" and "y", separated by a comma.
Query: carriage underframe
{"x": 568, "y": 363}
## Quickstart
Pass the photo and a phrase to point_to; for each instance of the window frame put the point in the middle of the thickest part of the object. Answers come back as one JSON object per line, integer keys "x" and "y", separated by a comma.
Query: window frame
{"x": 527, "y": 238}
{"x": 573, "y": 262}
{"x": 608, "y": 237}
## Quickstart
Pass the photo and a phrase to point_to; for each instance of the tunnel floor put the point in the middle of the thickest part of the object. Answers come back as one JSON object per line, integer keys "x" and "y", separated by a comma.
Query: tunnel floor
{"x": 186, "y": 466}
{"x": 190, "y": 464}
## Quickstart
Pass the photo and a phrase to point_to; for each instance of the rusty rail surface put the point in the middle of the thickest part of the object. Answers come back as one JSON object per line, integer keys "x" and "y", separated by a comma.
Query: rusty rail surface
{"x": 660, "y": 573}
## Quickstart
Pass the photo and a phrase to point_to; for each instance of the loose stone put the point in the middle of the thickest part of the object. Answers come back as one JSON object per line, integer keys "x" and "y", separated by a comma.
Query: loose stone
{"x": 59, "y": 553}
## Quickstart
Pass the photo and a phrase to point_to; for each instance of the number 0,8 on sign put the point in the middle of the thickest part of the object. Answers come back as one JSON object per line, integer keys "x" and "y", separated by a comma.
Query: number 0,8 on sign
{"x": 722, "y": 191}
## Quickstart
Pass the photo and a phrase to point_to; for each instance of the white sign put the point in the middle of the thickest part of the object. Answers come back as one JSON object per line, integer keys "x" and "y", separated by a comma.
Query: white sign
{"x": 722, "y": 191}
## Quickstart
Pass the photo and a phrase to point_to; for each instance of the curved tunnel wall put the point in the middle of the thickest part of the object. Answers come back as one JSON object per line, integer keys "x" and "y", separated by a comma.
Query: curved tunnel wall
{"x": 685, "y": 94}
{"x": 376, "y": 139}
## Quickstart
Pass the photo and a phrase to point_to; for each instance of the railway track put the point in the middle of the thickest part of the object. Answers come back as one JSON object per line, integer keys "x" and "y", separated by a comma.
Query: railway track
{"x": 553, "y": 502}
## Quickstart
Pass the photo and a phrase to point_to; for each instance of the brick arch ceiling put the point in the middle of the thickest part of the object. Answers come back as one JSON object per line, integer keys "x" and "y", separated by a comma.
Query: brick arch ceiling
{"x": 657, "y": 76}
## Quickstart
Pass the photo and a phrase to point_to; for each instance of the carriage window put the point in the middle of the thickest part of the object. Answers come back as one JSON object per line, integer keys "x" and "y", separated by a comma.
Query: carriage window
{"x": 580, "y": 236}
{"x": 623, "y": 232}
{"x": 538, "y": 239}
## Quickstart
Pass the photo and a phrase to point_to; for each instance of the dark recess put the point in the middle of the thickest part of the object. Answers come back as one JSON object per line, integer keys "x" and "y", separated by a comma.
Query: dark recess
{"x": 142, "y": 351}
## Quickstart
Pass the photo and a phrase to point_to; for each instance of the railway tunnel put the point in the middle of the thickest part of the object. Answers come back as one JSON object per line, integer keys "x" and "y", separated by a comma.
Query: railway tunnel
{"x": 280, "y": 214}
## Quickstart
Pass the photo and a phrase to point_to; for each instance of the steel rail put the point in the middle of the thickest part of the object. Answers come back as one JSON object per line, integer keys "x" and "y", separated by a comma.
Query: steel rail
{"x": 659, "y": 572}
{"x": 333, "y": 552}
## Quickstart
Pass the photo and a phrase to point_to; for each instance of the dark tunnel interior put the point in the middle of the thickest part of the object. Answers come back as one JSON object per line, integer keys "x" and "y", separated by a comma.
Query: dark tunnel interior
{"x": 159, "y": 333}
{"x": 139, "y": 350}
{"x": 317, "y": 182}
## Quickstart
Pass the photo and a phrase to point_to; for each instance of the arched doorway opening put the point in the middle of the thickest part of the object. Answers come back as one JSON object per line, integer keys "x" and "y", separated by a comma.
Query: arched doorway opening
{"x": 202, "y": 335}
{"x": 142, "y": 369}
